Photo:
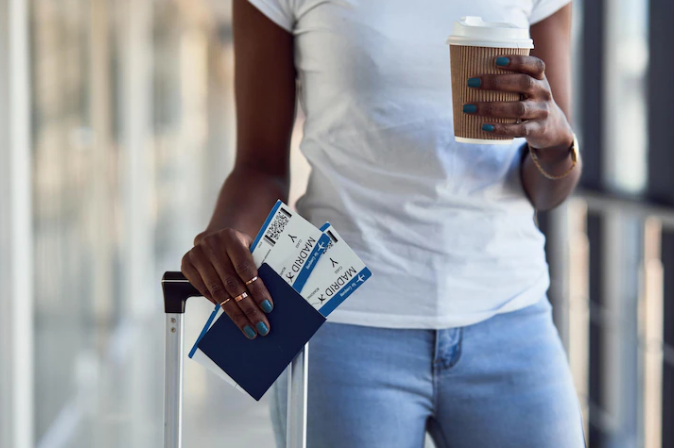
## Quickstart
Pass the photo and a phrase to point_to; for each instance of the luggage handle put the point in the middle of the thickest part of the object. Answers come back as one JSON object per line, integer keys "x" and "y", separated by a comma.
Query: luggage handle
{"x": 177, "y": 289}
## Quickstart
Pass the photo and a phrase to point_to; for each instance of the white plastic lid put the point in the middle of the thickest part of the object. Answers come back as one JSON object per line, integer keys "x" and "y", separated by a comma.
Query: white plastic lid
{"x": 474, "y": 32}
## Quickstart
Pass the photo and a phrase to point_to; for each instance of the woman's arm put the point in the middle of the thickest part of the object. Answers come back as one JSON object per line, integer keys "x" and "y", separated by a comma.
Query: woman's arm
{"x": 545, "y": 117}
{"x": 220, "y": 264}
{"x": 552, "y": 38}
{"x": 265, "y": 112}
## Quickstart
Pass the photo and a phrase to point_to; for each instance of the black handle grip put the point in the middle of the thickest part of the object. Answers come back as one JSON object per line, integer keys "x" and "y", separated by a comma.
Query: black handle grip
{"x": 177, "y": 289}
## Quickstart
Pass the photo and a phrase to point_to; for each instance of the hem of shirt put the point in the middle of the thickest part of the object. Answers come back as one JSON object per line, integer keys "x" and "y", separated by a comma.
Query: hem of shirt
{"x": 547, "y": 10}
{"x": 378, "y": 320}
{"x": 272, "y": 14}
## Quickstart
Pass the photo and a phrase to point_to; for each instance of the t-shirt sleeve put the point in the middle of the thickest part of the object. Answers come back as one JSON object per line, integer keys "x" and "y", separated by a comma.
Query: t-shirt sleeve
{"x": 278, "y": 11}
{"x": 542, "y": 9}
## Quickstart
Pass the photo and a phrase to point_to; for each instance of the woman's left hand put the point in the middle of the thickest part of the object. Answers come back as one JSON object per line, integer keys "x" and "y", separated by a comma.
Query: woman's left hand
{"x": 542, "y": 122}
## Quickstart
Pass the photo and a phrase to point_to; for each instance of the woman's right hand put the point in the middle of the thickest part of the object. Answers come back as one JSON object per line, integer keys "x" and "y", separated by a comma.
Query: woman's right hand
{"x": 221, "y": 267}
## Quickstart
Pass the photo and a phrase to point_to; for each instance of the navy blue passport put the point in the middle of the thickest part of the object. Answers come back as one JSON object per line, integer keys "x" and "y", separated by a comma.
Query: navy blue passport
{"x": 255, "y": 364}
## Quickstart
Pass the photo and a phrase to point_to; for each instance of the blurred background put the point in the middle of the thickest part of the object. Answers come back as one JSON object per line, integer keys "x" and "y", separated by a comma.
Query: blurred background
{"x": 116, "y": 132}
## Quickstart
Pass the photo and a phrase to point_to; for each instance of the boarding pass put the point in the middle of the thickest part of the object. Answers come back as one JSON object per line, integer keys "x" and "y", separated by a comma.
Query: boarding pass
{"x": 338, "y": 274}
{"x": 289, "y": 244}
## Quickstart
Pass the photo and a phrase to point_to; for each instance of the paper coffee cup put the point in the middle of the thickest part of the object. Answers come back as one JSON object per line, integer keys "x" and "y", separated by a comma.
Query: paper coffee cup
{"x": 473, "y": 47}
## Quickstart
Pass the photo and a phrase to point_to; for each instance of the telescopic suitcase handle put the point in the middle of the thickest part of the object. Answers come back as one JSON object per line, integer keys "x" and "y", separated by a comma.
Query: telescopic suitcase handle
{"x": 177, "y": 289}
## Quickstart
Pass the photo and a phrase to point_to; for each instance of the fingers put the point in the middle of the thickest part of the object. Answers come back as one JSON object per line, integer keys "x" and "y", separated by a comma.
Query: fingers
{"x": 252, "y": 311}
{"x": 216, "y": 248}
{"x": 524, "y": 110}
{"x": 516, "y": 82}
{"x": 530, "y": 81}
{"x": 244, "y": 265}
{"x": 525, "y": 129}
{"x": 195, "y": 279}
{"x": 529, "y": 65}
{"x": 238, "y": 316}
{"x": 222, "y": 268}
{"x": 217, "y": 290}
{"x": 208, "y": 274}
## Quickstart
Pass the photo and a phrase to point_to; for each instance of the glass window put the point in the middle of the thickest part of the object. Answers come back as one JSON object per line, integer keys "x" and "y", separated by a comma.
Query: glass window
{"x": 95, "y": 385}
{"x": 74, "y": 180}
{"x": 625, "y": 95}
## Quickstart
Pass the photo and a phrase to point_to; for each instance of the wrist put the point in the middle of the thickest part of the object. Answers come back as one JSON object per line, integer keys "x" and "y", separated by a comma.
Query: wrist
{"x": 557, "y": 163}
{"x": 557, "y": 152}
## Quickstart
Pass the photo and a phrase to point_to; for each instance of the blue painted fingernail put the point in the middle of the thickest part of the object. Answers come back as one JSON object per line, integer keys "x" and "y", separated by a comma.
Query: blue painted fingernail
{"x": 488, "y": 127}
{"x": 249, "y": 331}
{"x": 262, "y": 328}
{"x": 266, "y": 306}
{"x": 469, "y": 108}
{"x": 502, "y": 62}
{"x": 474, "y": 82}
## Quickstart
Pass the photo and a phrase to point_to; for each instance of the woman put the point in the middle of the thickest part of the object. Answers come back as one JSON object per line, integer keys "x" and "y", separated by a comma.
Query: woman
{"x": 453, "y": 334}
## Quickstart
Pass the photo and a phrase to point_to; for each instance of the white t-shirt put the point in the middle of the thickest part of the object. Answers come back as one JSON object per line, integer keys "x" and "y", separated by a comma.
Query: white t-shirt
{"x": 445, "y": 227}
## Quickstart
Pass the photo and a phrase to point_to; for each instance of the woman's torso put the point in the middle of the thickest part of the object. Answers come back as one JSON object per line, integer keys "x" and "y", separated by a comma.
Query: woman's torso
{"x": 445, "y": 227}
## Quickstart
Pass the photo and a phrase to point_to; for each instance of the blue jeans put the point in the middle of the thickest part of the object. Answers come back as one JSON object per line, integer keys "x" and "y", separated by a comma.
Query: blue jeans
{"x": 500, "y": 383}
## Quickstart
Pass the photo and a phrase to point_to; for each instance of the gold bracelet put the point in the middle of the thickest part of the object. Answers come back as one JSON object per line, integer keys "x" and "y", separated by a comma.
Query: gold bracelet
{"x": 574, "y": 159}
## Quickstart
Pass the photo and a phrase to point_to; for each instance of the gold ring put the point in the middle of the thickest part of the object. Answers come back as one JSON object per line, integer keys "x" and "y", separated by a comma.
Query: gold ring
{"x": 240, "y": 297}
{"x": 251, "y": 280}
{"x": 222, "y": 305}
